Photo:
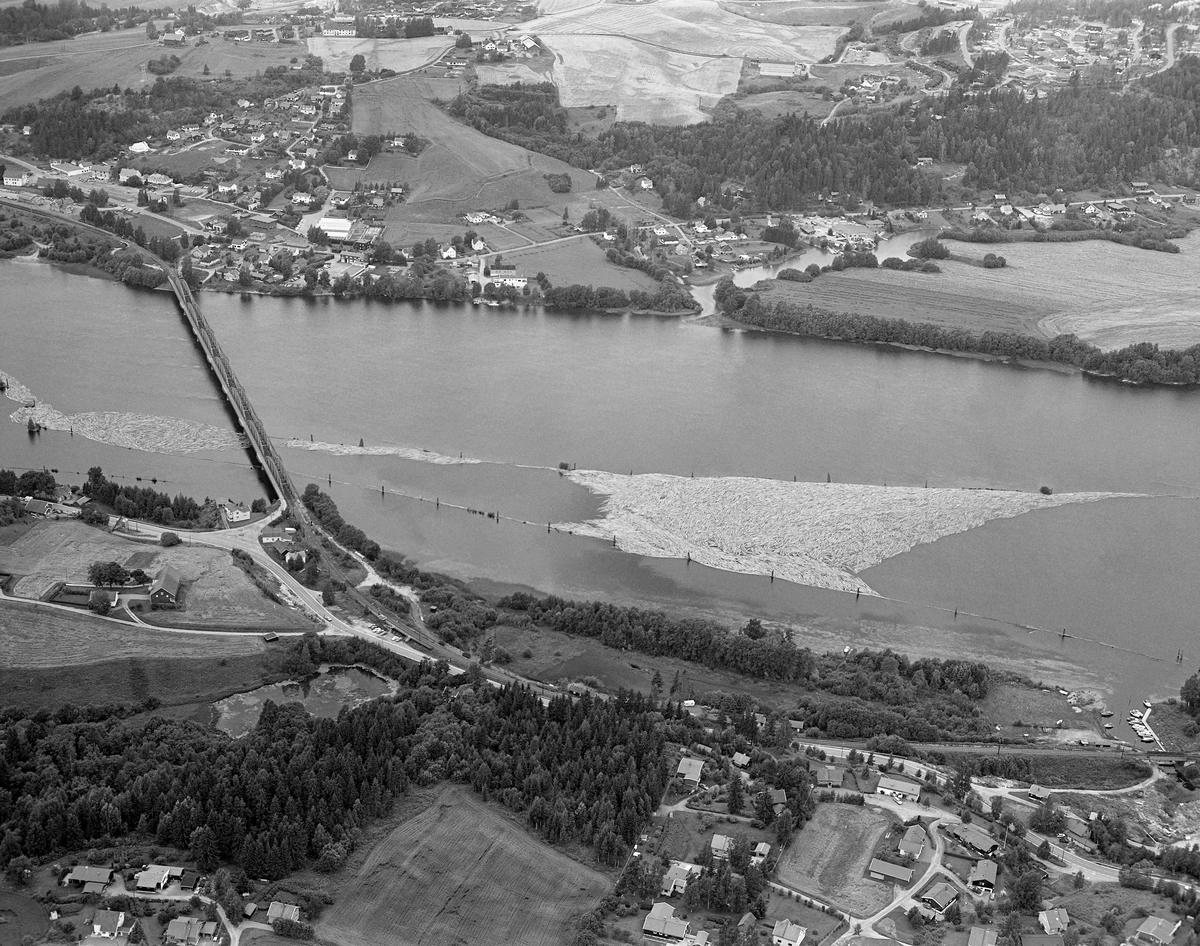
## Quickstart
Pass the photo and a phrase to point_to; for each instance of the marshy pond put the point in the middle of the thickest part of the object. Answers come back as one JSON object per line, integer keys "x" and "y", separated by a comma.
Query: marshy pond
{"x": 322, "y": 696}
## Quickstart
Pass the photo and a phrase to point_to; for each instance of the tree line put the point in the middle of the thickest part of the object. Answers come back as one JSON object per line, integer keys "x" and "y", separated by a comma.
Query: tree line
{"x": 1076, "y": 137}
{"x": 297, "y": 790}
{"x": 142, "y": 502}
{"x": 1141, "y": 363}
{"x": 33, "y": 22}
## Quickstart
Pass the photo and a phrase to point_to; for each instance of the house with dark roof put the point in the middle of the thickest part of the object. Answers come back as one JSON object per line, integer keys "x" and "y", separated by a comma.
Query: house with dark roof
{"x": 166, "y": 589}
{"x": 983, "y": 878}
{"x": 829, "y": 776}
{"x": 778, "y": 799}
{"x": 972, "y": 837}
{"x": 81, "y": 875}
{"x": 939, "y": 897}
{"x": 882, "y": 870}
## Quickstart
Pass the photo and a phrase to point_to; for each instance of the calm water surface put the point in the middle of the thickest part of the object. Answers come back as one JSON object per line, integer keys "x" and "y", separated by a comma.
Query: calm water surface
{"x": 526, "y": 389}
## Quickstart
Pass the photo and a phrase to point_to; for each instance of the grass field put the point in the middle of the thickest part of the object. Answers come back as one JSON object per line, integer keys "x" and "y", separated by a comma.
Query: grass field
{"x": 775, "y": 104}
{"x": 461, "y": 169}
{"x": 1170, "y": 722}
{"x": 687, "y": 833}
{"x": 577, "y": 261}
{"x": 700, "y": 27}
{"x": 34, "y": 637}
{"x": 460, "y": 872}
{"x": 829, "y": 858}
{"x": 644, "y": 81}
{"x": 102, "y": 59}
{"x": 219, "y": 594}
{"x": 21, "y": 917}
{"x": 398, "y": 54}
{"x": 1007, "y": 704}
{"x": 789, "y": 13}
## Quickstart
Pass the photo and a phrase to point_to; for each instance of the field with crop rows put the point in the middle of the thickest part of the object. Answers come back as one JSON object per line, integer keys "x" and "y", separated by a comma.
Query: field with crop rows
{"x": 460, "y": 872}
{"x": 398, "y": 54}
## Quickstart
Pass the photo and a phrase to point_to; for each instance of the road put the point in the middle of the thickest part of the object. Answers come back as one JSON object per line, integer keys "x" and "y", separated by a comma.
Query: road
{"x": 964, "y": 46}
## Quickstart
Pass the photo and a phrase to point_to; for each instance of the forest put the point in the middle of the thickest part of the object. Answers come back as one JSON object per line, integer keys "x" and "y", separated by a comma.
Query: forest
{"x": 144, "y": 502}
{"x": 1141, "y": 363}
{"x": 33, "y": 22}
{"x": 1081, "y": 136}
{"x": 857, "y": 696}
{"x": 298, "y": 790}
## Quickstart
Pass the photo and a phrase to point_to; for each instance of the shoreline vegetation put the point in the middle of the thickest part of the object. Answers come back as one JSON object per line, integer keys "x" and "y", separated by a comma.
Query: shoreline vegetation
{"x": 1141, "y": 364}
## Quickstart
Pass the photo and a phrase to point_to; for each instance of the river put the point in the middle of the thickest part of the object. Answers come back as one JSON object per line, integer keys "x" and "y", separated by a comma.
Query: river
{"x": 526, "y": 389}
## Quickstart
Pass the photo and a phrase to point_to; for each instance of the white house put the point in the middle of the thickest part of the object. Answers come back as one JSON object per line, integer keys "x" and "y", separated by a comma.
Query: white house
{"x": 661, "y": 924}
{"x": 787, "y": 933}
{"x": 13, "y": 179}
{"x": 139, "y": 147}
{"x": 676, "y": 879}
{"x": 237, "y": 512}
{"x": 898, "y": 788}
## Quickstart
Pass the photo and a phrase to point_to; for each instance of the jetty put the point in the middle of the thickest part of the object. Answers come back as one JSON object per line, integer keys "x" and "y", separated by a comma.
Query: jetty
{"x": 268, "y": 459}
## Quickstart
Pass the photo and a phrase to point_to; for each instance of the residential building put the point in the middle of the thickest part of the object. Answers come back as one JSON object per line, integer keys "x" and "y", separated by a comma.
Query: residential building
{"x": 1052, "y": 921}
{"x": 676, "y": 879}
{"x": 237, "y": 512}
{"x": 183, "y": 931}
{"x": 89, "y": 875}
{"x": 778, "y": 799}
{"x": 1157, "y": 930}
{"x": 741, "y": 760}
{"x": 983, "y": 877}
{"x": 721, "y": 846}
{"x": 829, "y": 776}
{"x": 340, "y": 26}
{"x": 165, "y": 593}
{"x": 16, "y": 178}
{"x": 690, "y": 770}
{"x": 939, "y": 897}
{"x": 898, "y": 788}
{"x": 787, "y": 933}
{"x": 156, "y": 876}
{"x": 882, "y": 870}
{"x": 661, "y": 924}
{"x": 336, "y": 228}
{"x": 913, "y": 842}
{"x": 980, "y": 936}
{"x": 974, "y": 838}
{"x": 110, "y": 924}
{"x": 762, "y": 850}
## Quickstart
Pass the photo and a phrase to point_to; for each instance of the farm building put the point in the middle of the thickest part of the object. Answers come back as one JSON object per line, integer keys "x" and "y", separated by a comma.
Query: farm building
{"x": 278, "y": 910}
{"x": 89, "y": 875}
{"x": 166, "y": 589}
{"x": 661, "y": 924}
{"x": 983, "y": 877}
{"x": 1052, "y": 921}
{"x": 777, "y": 70}
{"x": 982, "y": 937}
{"x": 939, "y": 897}
{"x": 110, "y": 924}
{"x": 882, "y": 870}
{"x": 787, "y": 933}
{"x": 898, "y": 788}
{"x": 690, "y": 770}
{"x": 1155, "y": 929}
{"x": 913, "y": 842}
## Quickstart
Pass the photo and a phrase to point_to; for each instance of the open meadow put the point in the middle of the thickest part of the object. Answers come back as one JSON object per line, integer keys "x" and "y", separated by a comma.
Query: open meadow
{"x": 22, "y": 919}
{"x": 398, "y": 54}
{"x": 787, "y": 101}
{"x": 806, "y": 13}
{"x": 577, "y": 261}
{"x": 98, "y": 60}
{"x": 645, "y": 82}
{"x": 700, "y": 27}
{"x": 1118, "y": 295}
{"x": 829, "y": 857}
{"x": 460, "y": 872}
{"x": 219, "y": 594}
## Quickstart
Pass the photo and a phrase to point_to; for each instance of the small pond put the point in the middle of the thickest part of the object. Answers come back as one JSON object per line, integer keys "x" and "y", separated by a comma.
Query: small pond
{"x": 323, "y": 696}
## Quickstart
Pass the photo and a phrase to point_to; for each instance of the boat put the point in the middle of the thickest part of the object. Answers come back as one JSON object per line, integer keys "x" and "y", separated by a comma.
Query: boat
{"x": 1108, "y": 725}
{"x": 1147, "y": 704}
{"x": 1106, "y": 714}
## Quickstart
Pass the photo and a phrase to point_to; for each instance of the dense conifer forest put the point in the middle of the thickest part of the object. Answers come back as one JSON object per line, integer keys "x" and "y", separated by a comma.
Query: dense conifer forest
{"x": 1081, "y": 136}
{"x": 298, "y": 790}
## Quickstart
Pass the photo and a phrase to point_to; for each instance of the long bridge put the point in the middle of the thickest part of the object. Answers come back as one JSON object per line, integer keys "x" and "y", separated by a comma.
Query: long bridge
{"x": 264, "y": 450}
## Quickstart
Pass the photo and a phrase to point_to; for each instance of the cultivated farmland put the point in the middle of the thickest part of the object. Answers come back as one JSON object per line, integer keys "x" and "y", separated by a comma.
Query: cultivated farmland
{"x": 829, "y": 858}
{"x": 645, "y": 82}
{"x": 460, "y": 872}
{"x": 398, "y": 54}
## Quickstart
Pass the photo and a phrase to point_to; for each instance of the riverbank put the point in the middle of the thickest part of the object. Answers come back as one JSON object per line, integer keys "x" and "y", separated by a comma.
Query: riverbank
{"x": 816, "y": 534}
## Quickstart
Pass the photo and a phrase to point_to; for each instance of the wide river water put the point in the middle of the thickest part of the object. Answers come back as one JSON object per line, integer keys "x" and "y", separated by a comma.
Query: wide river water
{"x": 523, "y": 390}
